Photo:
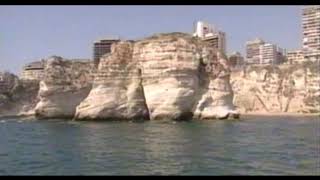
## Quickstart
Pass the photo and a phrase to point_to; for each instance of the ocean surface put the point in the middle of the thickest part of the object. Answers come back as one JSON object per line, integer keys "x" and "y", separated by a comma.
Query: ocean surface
{"x": 253, "y": 145}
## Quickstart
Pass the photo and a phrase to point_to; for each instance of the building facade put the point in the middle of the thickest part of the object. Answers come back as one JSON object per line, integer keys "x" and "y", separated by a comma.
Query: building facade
{"x": 295, "y": 57}
{"x": 311, "y": 32}
{"x": 217, "y": 40}
{"x": 271, "y": 54}
{"x": 202, "y": 28}
{"x": 33, "y": 71}
{"x": 210, "y": 34}
{"x": 102, "y": 47}
{"x": 260, "y": 52}
{"x": 253, "y": 51}
{"x": 268, "y": 53}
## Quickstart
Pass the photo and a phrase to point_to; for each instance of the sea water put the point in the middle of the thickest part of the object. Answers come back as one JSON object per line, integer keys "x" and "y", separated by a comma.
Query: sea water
{"x": 254, "y": 145}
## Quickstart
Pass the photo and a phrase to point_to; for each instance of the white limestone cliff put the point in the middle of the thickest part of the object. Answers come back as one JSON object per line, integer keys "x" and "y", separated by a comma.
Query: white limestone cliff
{"x": 65, "y": 85}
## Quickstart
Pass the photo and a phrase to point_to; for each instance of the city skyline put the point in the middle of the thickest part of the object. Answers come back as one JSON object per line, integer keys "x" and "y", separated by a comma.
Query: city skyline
{"x": 41, "y": 31}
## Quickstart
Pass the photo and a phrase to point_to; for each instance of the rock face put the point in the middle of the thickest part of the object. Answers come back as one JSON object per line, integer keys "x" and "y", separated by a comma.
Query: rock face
{"x": 117, "y": 91}
{"x": 286, "y": 88}
{"x": 65, "y": 84}
{"x": 17, "y": 97}
{"x": 217, "y": 94}
{"x": 166, "y": 76}
{"x": 170, "y": 74}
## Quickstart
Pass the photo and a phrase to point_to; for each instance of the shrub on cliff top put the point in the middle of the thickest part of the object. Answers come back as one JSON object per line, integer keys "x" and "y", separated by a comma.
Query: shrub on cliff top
{"x": 173, "y": 36}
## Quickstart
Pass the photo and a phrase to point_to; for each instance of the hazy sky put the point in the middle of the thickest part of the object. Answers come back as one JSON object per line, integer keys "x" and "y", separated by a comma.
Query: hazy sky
{"x": 28, "y": 33}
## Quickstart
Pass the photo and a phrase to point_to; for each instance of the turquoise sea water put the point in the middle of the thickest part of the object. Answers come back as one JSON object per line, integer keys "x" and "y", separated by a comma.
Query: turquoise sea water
{"x": 254, "y": 145}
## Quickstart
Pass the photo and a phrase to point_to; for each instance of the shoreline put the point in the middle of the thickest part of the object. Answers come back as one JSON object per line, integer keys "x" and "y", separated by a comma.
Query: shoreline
{"x": 241, "y": 115}
{"x": 279, "y": 114}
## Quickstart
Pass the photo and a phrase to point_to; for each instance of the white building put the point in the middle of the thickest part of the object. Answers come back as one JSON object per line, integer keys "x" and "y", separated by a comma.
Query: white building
{"x": 311, "y": 32}
{"x": 201, "y": 29}
{"x": 260, "y": 52}
{"x": 271, "y": 54}
{"x": 210, "y": 34}
{"x": 268, "y": 54}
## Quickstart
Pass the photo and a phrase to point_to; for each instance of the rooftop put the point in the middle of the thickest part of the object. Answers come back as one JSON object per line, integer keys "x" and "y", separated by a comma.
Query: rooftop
{"x": 256, "y": 40}
{"x": 34, "y": 65}
{"x": 112, "y": 38}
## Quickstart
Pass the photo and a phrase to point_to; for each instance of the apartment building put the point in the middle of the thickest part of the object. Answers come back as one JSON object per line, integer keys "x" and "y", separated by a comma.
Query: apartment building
{"x": 295, "y": 57}
{"x": 268, "y": 53}
{"x": 210, "y": 34}
{"x": 102, "y": 47}
{"x": 311, "y": 32}
{"x": 217, "y": 40}
{"x": 260, "y": 52}
{"x": 253, "y": 51}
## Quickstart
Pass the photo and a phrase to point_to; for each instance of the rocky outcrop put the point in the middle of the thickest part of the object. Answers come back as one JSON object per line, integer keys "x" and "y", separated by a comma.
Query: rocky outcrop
{"x": 117, "y": 91}
{"x": 285, "y": 88}
{"x": 170, "y": 74}
{"x": 66, "y": 83}
{"x": 166, "y": 76}
{"x": 17, "y": 97}
{"x": 33, "y": 71}
{"x": 217, "y": 94}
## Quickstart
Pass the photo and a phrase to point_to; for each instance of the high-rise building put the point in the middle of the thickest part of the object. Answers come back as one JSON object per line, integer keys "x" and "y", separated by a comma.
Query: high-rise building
{"x": 271, "y": 54}
{"x": 268, "y": 53}
{"x": 202, "y": 28}
{"x": 210, "y": 34}
{"x": 311, "y": 32}
{"x": 253, "y": 51}
{"x": 102, "y": 47}
{"x": 260, "y": 52}
{"x": 217, "y": 40}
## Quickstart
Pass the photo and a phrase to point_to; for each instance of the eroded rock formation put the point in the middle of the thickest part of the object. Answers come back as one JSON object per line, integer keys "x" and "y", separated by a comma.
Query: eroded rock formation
{"x": 170, "y": 74}
{"x": 117, "y": 91}
{"x": 17, "y": 97}
{"x": 166, "y": 76}
{"x": 216, "y": 92}
{"x": 285, "y": 88}
{"x": 65, "y": 84}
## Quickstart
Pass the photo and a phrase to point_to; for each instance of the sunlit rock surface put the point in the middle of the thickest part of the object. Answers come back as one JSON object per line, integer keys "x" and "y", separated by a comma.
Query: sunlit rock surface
{"x": 117, "y": 91}
{"x": 285, "y": 88}
{"x": 166, "y": 76}
{"x": 65, "y": 84}
{"x": 17, "y": 97}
